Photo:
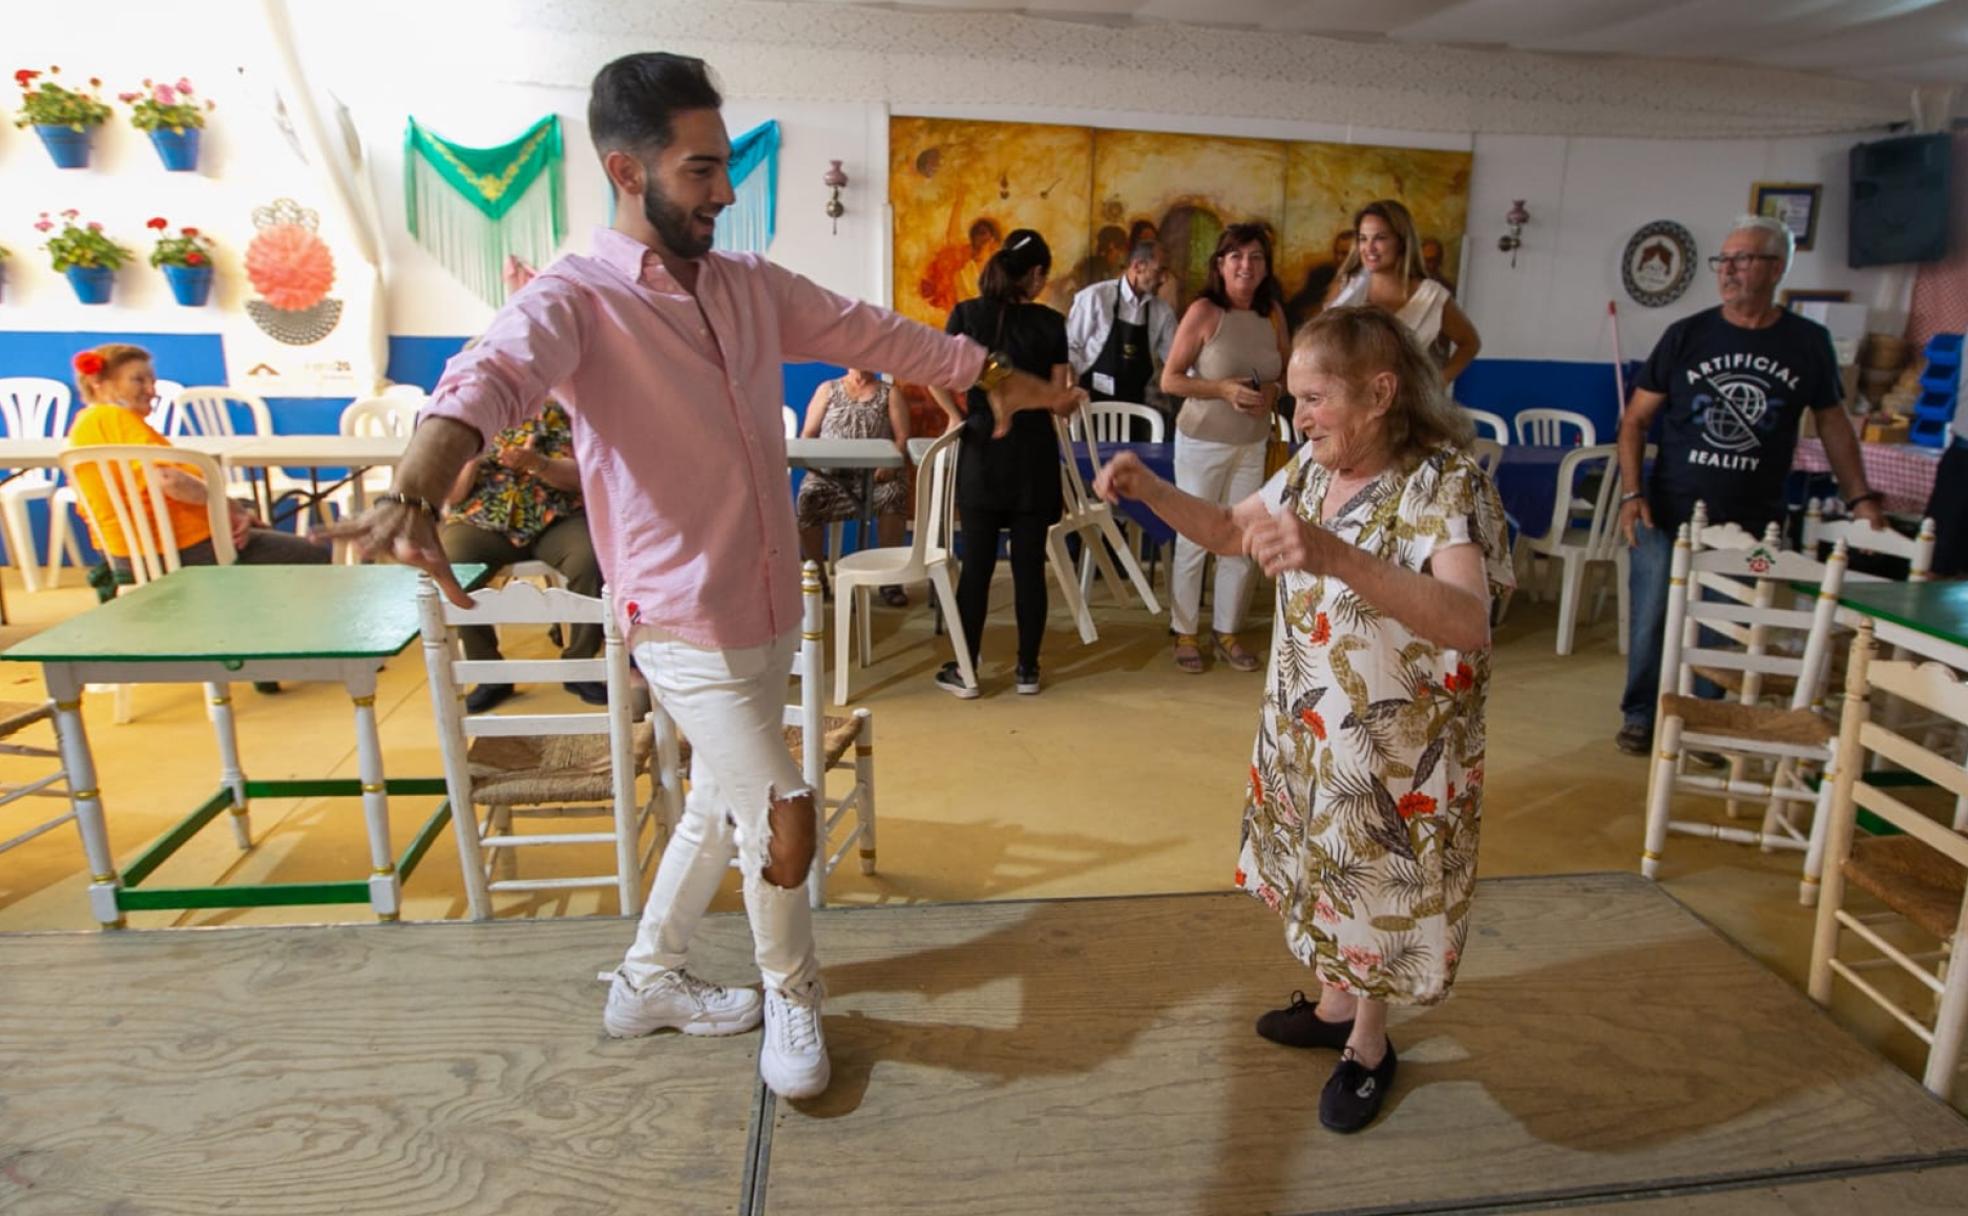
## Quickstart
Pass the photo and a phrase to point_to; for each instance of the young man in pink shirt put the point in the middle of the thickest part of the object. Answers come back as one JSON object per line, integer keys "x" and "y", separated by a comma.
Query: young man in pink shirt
{"x": 668, "y": 359}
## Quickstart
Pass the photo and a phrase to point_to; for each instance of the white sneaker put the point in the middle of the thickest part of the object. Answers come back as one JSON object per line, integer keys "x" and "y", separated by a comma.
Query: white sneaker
{"x": 793, "y": 1059}
{"x": 677, "y": 1000}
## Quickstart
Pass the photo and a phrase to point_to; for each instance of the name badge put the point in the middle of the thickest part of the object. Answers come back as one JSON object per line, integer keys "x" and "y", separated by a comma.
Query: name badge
{"x": 1103, "y": 383}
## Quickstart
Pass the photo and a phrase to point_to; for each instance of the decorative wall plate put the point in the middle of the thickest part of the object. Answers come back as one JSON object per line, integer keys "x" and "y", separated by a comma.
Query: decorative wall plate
{"x": 1659, "y": 263}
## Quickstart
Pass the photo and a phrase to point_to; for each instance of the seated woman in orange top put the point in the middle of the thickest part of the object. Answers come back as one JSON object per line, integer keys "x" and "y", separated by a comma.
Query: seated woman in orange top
{"x": 118, "y": 383}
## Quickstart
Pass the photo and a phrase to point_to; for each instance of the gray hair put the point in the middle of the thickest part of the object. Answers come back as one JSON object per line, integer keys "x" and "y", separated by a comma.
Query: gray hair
{"x": 1144, "y": 251}
{"x": 1776, "y": 237}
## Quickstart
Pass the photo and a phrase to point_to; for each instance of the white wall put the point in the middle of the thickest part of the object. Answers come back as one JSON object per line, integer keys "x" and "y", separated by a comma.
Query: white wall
{"x": 1586, "y": 195}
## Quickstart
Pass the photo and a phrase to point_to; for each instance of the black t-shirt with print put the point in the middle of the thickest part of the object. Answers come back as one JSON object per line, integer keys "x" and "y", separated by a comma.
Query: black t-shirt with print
{"x": 1729, "y": 428}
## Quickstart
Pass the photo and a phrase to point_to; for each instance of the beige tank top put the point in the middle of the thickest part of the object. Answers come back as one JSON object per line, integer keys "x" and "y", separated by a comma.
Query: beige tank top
{"x": 1244, "y": 344}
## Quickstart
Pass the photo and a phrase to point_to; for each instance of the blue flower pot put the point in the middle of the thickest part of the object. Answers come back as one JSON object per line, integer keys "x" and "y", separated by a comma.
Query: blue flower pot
{"x": 192, "y": 285}
{"x": 91, "y": 283}
{"x": 68, "y": 146}
{"x": 178, "y": 149}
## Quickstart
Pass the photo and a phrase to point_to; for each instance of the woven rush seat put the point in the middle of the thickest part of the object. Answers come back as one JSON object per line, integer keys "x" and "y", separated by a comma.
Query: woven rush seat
{"x": 1911, "y": 879}
{"x": 1798, "y": 727}
{"x": 16, "y": 714}
{"x": 522, "y": 770}
{"x": 840, "y": 735}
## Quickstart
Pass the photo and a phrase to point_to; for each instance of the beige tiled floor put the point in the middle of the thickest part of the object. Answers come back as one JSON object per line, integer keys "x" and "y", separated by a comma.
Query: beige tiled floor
{"x": 1123, "y": 777}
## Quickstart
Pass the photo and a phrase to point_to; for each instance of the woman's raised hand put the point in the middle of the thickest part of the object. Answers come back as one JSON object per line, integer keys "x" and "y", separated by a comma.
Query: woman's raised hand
{"x": 1122, "y": 477}
{"x": 1285, "y": 542}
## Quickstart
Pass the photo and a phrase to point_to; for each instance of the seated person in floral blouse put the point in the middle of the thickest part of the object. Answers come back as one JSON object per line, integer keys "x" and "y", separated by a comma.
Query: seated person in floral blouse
{"x": 521, "y": 501}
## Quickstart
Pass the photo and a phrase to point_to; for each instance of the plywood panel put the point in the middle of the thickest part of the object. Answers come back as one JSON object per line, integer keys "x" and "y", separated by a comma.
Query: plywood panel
{"x": 1910, "y": 1192}
{"x": 1098, "y": 1056}
{"x": 385, "y": 1069}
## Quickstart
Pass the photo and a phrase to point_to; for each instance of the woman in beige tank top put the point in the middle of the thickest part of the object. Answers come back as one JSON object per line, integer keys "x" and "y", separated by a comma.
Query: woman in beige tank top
{"x": 1227, "y": 360}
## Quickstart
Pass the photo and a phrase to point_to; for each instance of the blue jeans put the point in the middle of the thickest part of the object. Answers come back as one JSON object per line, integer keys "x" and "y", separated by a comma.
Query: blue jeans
{"x": 1646, "y": 588}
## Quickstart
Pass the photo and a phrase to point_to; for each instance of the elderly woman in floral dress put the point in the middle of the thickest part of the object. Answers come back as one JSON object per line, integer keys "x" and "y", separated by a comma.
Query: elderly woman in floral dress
{"x": 1366, "y": 779}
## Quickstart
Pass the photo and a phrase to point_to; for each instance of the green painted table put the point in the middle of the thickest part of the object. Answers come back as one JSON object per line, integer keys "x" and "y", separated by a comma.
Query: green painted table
{"x": 220, "y": 624}
{"x": 1930, "y": 619}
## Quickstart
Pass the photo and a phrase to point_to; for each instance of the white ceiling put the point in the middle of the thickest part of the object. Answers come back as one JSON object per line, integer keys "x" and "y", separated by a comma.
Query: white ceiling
{"x": 1895, "y": 41}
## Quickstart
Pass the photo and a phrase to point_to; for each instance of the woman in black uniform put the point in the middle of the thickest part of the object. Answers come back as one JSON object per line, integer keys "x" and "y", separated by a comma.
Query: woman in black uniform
{"x": 1009, "y": 484}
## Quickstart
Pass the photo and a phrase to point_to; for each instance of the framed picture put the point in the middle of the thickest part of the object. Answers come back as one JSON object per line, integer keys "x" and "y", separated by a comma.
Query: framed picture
{"x": 1794, "y": 204}
{"x": 1808, "y": 295}
{"x": 1659, "y": 263}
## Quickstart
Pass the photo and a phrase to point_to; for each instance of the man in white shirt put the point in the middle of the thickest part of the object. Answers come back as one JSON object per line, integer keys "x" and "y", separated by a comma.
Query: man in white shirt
{"x": 1118, "y": 332}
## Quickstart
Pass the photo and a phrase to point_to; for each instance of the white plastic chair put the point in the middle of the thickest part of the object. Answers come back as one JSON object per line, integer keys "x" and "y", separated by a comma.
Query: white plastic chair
{"x": 1113, "y": 422}
{"x": 927, "y": 556}
{"x": 392, "y": 415}
{"x": 568, "y": 764}
{"x": 207, "y": 410}
{"x": 61, "y": 533}
{"x": 405, "y": 392}
{"x": 1488, "y": 454}
{"x": 791, "y": 420}
{"x": 128, "y": 474}
{"x": 1743, "y": 645}
{"x": 1491, "y": 425}
{"x": 820, "y": 743}
{"x": 31, "y": 407}
{"x": 1085, "y": 516}
{"x": 1917, "y": 873}
{"x": 1546, "y": 428}
{"x": 164, "y": 406}
{"x": 1576, "y": 544}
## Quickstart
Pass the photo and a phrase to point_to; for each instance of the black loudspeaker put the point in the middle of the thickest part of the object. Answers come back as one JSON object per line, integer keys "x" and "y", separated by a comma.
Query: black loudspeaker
{"x": 1899, "y": 201}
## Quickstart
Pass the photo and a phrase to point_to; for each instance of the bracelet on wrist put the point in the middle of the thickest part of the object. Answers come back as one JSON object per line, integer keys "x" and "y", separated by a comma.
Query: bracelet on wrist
{"x": 1852, "y": 503}
{"x": 410, "y": 500}
{"x": 1635, "y": 496}
{"x": 997, "y": 369}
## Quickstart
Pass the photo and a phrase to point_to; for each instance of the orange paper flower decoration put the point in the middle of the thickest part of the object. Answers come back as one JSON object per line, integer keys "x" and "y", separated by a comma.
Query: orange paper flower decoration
{"x": 290, "y": 266}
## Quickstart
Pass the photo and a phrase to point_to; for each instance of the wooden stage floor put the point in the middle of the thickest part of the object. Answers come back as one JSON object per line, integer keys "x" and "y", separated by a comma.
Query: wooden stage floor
{"x": 1605, "y": 1052}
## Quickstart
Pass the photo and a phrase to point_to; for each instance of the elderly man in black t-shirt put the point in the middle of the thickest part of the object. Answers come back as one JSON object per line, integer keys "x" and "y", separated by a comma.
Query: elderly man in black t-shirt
{"x": 1734, "y": 382}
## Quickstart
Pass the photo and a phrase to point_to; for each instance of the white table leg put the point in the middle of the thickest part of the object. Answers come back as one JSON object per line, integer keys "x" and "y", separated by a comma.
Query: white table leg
{"x": 385, "y": 888}
{"x": 73, "y": 739}
{"x": 218, "y": 706}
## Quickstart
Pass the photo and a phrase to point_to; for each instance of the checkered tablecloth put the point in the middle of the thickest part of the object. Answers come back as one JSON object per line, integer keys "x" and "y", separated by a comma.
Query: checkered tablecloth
{"x": 1902, "y": 472}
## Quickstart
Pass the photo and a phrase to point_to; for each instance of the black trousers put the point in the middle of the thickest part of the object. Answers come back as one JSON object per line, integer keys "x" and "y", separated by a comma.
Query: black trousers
{"x": 1028, "y": 574}
{"x": 1948, "y": 508}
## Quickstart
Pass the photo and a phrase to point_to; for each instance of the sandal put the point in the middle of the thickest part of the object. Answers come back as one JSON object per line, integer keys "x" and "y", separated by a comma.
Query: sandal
{"x": 1188, "y": 655}
{"x": 893, "y": 595}
{"x": 1231, "y": 651}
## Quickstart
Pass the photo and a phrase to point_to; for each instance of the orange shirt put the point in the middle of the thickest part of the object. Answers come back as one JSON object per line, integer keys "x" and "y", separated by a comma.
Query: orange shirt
{"x": 112, "y": 424}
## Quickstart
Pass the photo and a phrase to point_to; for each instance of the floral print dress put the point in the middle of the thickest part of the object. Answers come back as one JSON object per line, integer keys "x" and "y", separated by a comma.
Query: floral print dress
{"x": 1366, "y": 781}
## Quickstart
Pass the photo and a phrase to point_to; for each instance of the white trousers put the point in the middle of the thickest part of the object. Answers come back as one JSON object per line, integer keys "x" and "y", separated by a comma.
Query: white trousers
{"x": 730, "y": 705}
{"x": 1225, "y": 473}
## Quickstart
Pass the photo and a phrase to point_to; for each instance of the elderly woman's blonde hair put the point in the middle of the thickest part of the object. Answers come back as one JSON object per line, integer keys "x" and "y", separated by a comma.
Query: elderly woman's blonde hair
{"x": 1357, "y": 344}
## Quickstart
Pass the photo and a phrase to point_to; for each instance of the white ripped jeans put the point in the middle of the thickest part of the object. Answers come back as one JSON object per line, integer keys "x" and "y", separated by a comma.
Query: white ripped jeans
{"x": 730, "y": 705}
{"x": 1225, "y": 473}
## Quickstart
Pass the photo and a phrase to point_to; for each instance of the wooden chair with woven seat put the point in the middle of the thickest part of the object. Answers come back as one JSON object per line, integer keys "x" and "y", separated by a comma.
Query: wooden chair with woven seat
{"x": 1792, "y": 737}
{"x": 15, "y": 717}
{"x": 820, "y": 742}
{"x": 1920, "y": 874}
{"x": 559, "y": 765}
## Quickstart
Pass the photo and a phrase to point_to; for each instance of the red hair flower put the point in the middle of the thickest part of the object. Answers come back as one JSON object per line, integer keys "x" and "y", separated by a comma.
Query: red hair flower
{"x": 89, "y": 363}
{"x": 158, "y": 222}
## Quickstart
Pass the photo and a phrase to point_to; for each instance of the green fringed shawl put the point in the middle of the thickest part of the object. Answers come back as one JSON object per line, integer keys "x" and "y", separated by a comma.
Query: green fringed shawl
{"x": 470, "y": 207}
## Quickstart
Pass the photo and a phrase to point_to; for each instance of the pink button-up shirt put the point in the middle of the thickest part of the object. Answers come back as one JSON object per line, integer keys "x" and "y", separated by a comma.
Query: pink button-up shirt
{"x": 675, "y": 401}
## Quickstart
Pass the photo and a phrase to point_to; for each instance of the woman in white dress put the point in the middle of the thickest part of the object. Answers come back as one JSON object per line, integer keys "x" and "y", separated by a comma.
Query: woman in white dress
{"x": 1385, "y": 270}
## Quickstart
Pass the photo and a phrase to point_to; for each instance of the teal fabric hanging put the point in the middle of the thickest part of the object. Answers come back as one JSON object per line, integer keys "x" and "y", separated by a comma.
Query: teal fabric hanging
{"x": 471, "y": 207}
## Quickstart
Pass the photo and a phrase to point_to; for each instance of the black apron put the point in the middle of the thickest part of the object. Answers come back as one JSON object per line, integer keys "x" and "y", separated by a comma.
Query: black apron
{"x": 1125, "y": 358}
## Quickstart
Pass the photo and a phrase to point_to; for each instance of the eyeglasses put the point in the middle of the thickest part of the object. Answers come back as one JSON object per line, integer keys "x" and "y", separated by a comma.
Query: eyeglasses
{"x": 1741, "y": 261}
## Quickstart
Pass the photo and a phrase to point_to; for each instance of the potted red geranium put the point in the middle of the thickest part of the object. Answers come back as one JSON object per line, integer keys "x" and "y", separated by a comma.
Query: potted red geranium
{"x": 65, "y": 119}
{"x": 186, "y": 260}
{"x": 173, "y": 117}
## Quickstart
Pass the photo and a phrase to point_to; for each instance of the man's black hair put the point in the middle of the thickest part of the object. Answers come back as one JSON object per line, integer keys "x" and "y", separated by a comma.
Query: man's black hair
{"x": 635, "y": 99}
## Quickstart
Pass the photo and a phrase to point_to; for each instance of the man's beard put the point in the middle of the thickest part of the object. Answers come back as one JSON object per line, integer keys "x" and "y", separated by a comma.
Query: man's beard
{"x": 671, "y": 222}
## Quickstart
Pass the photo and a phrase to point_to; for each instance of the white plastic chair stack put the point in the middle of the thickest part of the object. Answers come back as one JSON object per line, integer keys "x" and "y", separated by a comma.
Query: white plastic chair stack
{"x": 820, "y": 743}
{"x": 927, "y": 557}
{"x": 207, "y": 410}
{"x": 1491, "y": 426}
{"x": 129, "y": 475}
{"x": 1548, "y": 428}
{"x": 31, "y": 408}
{"x": 1743, "y": 646}
{"x": 569, "y": 764}
{"x": 1920, "y": 874}
{"x": 1114, "y": 422}
{"x": 1576, "y": 544}
{"x": 1093, "y": 522}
